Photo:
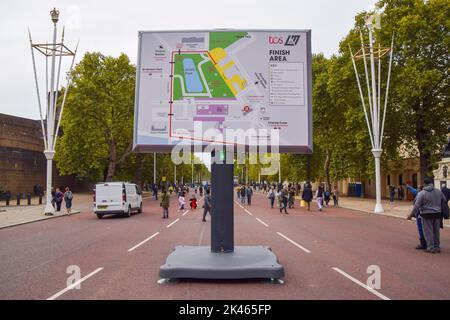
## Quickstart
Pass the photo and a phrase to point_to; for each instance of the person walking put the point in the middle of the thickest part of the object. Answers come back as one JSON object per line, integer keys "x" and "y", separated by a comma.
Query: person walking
{"x": 249, "y": 192}
{"x": 391, "y": 194}
{"x": 53, "y": 192}
{"x": 284, "y": 200}
{"x": 243, "y": 194}
{"x": 327, "y": 197}
{"x": 271, "y": 196}
{"x": 238, "y": 192}
{"x": 58, "y": 199}
{"x": 68, "y": 196}
{"x": 429, "y": 204}
{"x": 446, "y": 192}
{"x": 307, "y": 195}
{"x": 206, "y": 205}
{"x": 422, "y": 242}
{"x": 181, "y": 201}
{"x": 165, "y": 203}
{"x": 335, "y": 197}
{"x": 291, "y": 198}
{"x": 319, "y": 197}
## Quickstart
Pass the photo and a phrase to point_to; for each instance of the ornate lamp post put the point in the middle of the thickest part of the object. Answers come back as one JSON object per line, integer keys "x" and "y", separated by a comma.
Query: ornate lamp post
{"x": 53, "y": 114}
{"x": 372, "y": 115}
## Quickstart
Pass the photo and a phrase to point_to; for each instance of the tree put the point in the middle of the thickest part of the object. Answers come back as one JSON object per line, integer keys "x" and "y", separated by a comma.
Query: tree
{"x": 98, "y": 117}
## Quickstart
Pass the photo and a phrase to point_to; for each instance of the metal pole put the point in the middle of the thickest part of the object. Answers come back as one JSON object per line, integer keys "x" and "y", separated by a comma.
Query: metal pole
{"x": 192, "y": 169}
{"x": 154, "y": 167}
{"x": 376, "y": 151}
{"x": 279, "y": 168}
{"x": 175, "y": 174}
{"x": 50, "y": 152}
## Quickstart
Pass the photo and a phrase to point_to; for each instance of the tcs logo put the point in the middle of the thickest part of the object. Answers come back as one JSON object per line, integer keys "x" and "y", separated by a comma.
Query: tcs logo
{"x": 276, "y": 40}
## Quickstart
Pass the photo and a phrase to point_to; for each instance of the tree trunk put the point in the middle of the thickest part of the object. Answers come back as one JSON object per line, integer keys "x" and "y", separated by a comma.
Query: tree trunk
{"x": 112, "y": 160}
{"x": 424, "y": 156}
{"x": 326, "y": 169}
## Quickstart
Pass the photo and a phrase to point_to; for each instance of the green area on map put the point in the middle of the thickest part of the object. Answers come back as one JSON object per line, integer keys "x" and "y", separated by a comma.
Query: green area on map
{"x": 224, "y": 39}
{"x": 214, "y": 81}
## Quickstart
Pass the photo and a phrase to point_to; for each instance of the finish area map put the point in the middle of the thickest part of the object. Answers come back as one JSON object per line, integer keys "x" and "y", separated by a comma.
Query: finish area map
{"x": 223, "y": 80}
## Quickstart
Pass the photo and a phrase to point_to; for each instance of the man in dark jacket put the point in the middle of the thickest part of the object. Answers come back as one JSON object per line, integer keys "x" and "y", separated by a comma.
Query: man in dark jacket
{"x": 307, "y": 195}
{"x": 428, "y": 204}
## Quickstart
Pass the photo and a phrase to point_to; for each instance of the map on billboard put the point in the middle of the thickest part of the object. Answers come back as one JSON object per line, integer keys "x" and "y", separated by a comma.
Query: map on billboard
{"x": 192, "y": 81}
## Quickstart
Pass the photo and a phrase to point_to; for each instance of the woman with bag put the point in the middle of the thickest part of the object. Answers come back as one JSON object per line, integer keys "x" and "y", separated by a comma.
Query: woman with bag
{"x": 68, "y": 196}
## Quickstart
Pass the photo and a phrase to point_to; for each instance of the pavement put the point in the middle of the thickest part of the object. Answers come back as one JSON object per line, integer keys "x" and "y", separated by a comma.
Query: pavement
{"x": 326, "y": 255}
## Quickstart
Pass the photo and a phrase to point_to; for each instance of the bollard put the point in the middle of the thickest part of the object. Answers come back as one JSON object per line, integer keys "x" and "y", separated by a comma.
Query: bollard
{"x": 29, "y": 199}
{"x": 18, "y": 199}
{"x": 40, "y": 198}
{"x": 7, "y": 200}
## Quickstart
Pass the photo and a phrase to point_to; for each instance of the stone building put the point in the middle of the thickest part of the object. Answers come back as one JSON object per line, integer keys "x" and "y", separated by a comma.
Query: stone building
{"x": 22, "y": 162}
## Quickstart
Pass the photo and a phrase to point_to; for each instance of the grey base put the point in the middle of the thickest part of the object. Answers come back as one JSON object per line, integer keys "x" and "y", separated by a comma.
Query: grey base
{"x": 198, "y": 262}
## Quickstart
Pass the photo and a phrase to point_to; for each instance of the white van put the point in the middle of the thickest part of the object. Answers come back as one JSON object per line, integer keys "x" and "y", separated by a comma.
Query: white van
{"x": 117, "y": 198}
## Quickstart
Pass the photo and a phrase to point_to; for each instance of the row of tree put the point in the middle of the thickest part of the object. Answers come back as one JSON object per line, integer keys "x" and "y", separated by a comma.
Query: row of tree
{"x": 418, "y": 113}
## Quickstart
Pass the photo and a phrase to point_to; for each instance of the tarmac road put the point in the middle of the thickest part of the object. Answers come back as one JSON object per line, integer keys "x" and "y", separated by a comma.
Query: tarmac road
{"x": 325, "y": 255}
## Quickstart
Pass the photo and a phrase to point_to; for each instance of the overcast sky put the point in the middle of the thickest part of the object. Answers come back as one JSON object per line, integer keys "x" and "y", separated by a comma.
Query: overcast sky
{"x": 111, "y": 27}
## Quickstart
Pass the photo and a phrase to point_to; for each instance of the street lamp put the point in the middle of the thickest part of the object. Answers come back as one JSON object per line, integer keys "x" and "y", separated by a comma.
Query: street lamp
{"x": 373, "y": 118}
{"x": 53, "y": 120}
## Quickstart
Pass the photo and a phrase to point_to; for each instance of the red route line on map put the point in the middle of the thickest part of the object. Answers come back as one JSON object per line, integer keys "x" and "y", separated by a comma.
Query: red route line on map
{"x": 171, "y": 97}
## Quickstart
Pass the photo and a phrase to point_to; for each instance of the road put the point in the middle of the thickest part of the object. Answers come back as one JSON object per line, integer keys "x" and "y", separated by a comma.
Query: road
{"x": 325, "y": 254}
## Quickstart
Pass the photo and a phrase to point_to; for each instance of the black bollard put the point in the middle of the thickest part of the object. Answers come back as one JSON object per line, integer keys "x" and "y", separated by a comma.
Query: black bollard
{"x": 18, "y": 199}
{"x": 40, "y": 198}
{"x": 29, "y": 199}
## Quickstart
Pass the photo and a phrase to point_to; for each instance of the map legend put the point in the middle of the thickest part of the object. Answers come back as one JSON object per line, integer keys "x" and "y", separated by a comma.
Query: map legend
{"x": 285, "y": 84}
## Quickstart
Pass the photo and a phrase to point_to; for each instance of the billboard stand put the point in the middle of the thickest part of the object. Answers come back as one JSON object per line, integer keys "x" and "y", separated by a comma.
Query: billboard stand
{"x": 222, "y": 260}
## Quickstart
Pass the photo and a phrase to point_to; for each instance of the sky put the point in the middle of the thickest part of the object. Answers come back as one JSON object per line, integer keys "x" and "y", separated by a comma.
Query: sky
{"x": 111, "y": 27}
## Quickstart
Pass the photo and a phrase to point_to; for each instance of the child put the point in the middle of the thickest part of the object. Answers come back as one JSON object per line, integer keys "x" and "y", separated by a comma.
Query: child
{"x": 193, "y": 202}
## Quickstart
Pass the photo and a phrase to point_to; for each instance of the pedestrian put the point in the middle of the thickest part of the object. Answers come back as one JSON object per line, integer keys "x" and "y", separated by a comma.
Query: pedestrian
{"x": 201, "y": 191}
{"x": 446, "y": 192}
{"x": 422, "y": 242}
{"x": 165, "y": 203}
{"x": 53, "y": 193}
{"x": 271, "y": 196}
{"x": 249, "y": 192}
{"x": 68, "y": 196}
{"x": 58, "y": 199}
{"x": 181, "y": 201}
{"x": 193, "y": 202}
{"x": 291, "y": 198}
{"x": 238, "y": 192}
{"x": 429, "y": 204}
{"x": 284, "y": 200}
{"x": 391, "y": 194}
{"x": 243, "y": 194}
{"x": 307, "y": 194}
{"x": 327, "y": 197}
{"x": 206, "y": 205}
{"x": 319, "y": 197}
{"x": 335, "y": 197}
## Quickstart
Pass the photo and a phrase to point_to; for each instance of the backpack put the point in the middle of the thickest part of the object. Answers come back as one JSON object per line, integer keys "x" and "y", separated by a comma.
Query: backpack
{"x": 445, "y": 209}
{"x": 69, "y": 195}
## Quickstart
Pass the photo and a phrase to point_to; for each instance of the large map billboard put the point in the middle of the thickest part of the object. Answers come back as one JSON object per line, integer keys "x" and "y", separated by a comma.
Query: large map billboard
{"x": 192, "y": 82}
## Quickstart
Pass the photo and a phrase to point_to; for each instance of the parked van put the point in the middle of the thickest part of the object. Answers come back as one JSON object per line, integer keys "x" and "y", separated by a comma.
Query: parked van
{"x": 117, "y": 198}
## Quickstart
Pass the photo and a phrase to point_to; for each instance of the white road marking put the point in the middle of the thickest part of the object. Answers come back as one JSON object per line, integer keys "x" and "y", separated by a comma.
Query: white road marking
{"x": 185, "y": 213}
{"x": 262, "y": 222}
{"x": 168, "y": 226}
{"x": 73, "y": 285}
{"x": 372, "y": 290}
{"x": 141, "y": 243}
{"x": 293, "y": 242}
{"x": 248, "y": 212}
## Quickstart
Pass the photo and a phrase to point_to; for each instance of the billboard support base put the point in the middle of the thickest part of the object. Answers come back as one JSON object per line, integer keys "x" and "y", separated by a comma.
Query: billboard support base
{"x": 199, "y": 262}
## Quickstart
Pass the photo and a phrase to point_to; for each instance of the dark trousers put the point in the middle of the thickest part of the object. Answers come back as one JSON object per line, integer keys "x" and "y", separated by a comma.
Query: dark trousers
{"x": 249, "y": 200}
{"x": 205, "y": 211}
{"x": 420, "y": 230}
{"x": 431, "y": 231}
{"x": 58, "y": 205}
{"x": 335, "y": 200}
{"x": 284, "y": 205}
{"x": 272, "y": 201}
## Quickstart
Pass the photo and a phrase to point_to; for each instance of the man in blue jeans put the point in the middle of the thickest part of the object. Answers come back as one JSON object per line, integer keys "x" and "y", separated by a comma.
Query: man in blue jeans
{"x": 423, "y": 242}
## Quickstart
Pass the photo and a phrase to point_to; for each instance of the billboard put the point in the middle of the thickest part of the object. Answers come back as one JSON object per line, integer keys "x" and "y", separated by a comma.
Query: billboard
{"x": 207, "y": 87}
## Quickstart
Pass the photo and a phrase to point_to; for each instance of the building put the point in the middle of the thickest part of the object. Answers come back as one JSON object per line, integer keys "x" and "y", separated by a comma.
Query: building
{"x": 22, "y": 162}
